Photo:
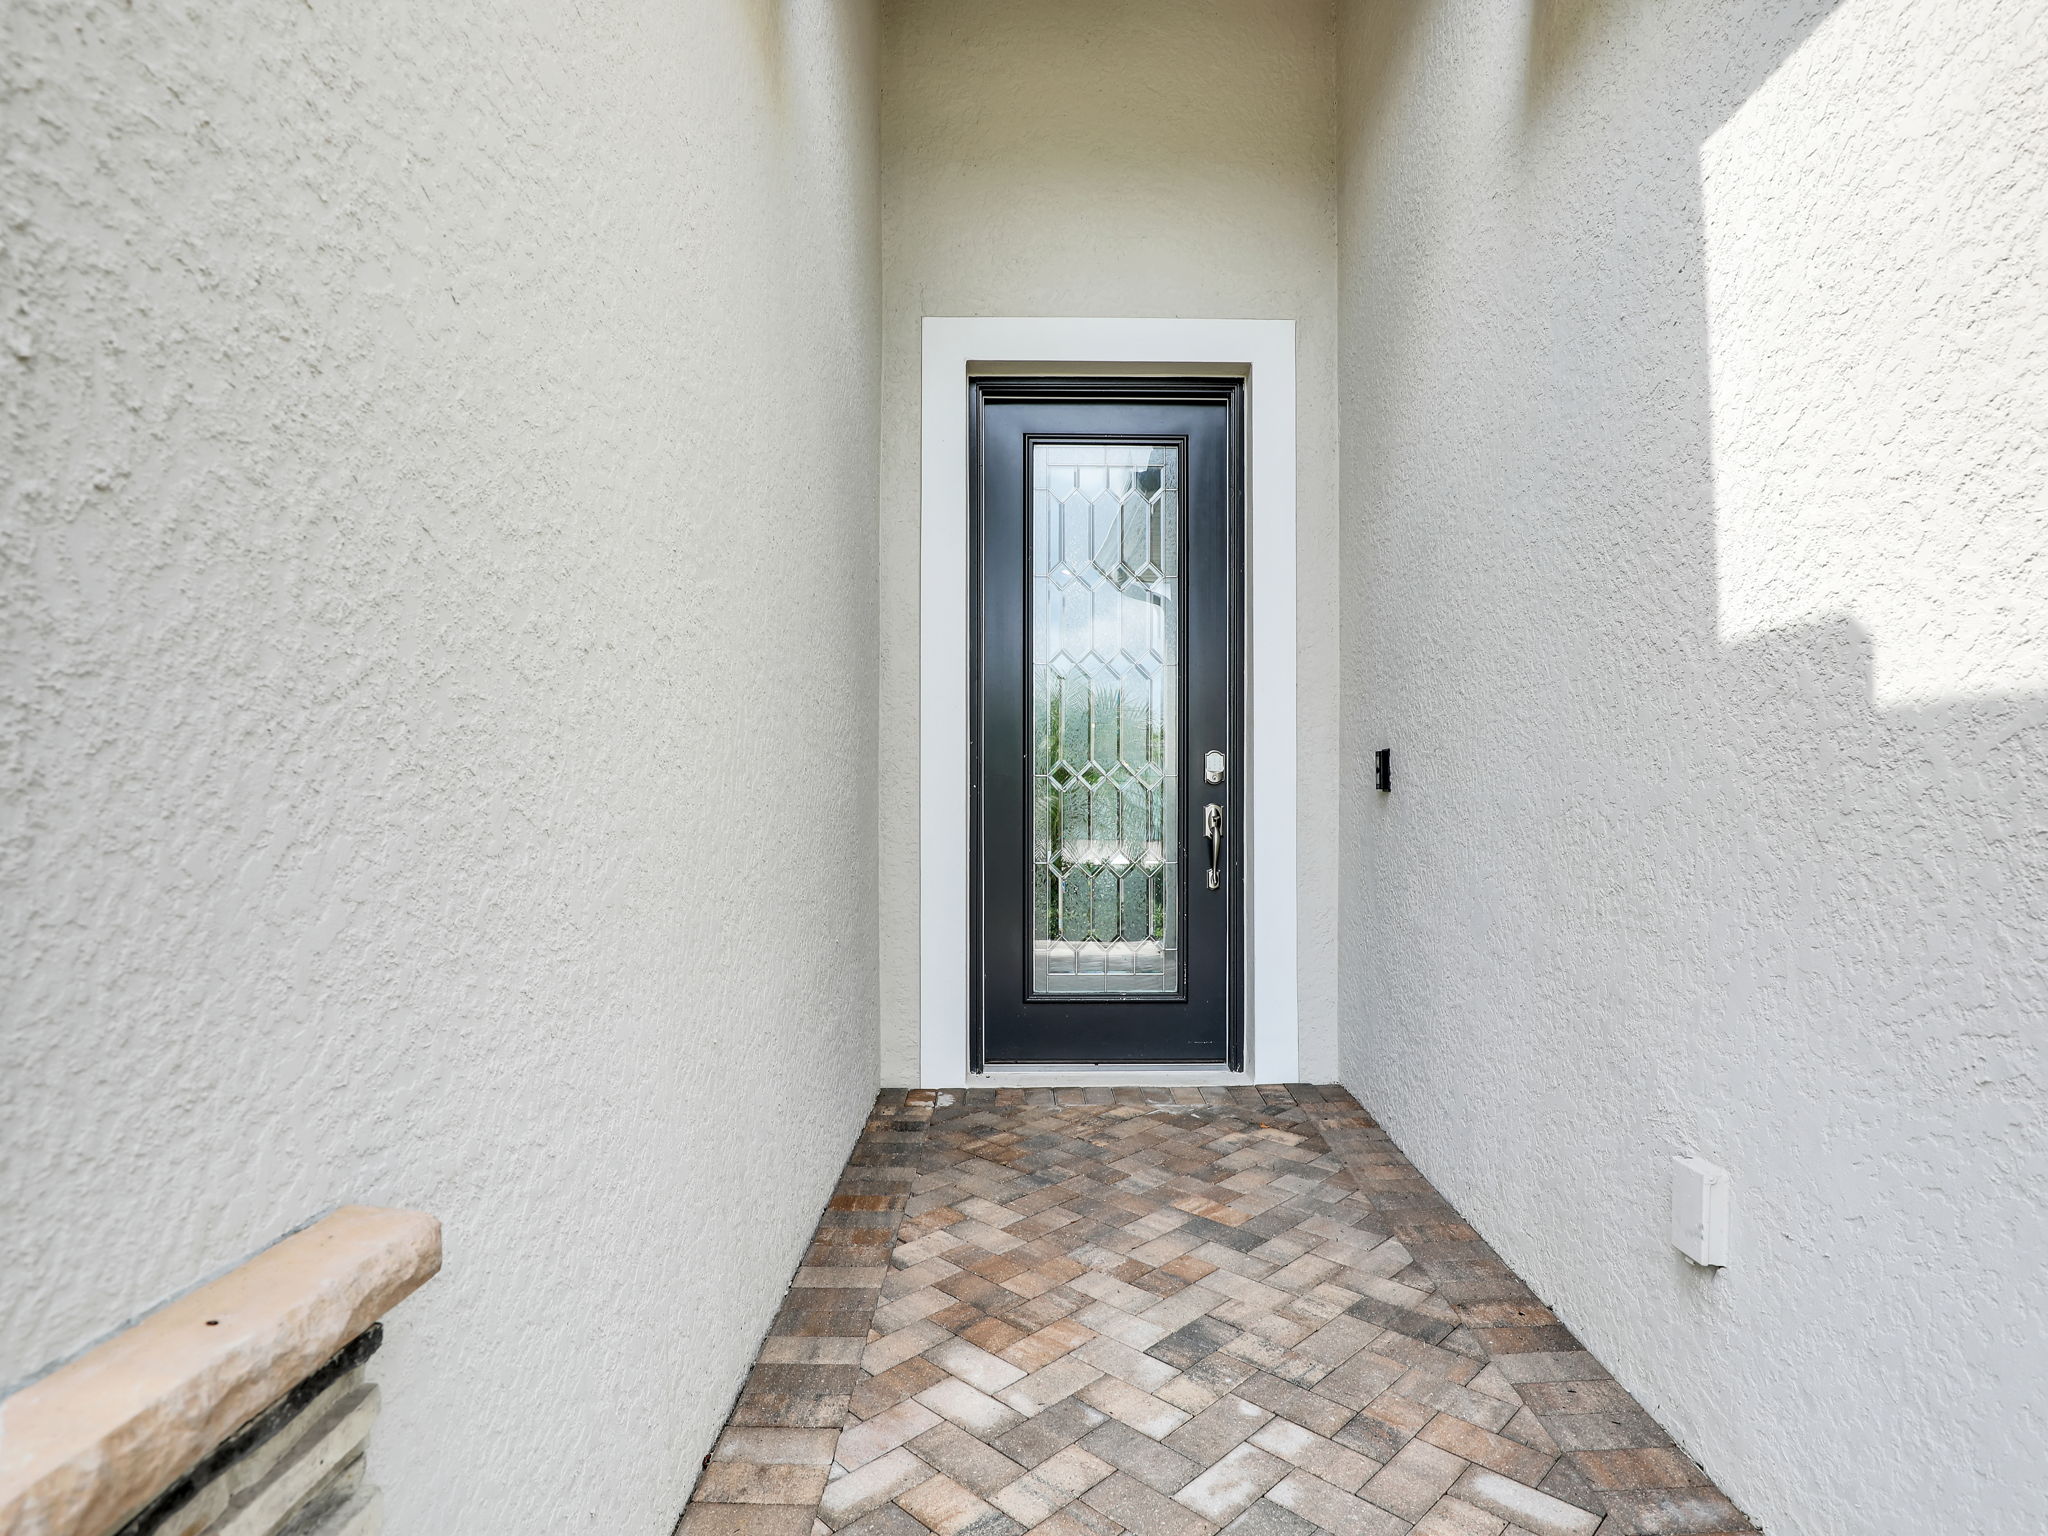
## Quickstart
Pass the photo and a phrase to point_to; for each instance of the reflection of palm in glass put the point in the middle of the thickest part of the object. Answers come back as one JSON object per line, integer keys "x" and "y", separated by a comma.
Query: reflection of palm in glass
{"x": 1101, "y": 823}
{"x": 1104, "y": 641}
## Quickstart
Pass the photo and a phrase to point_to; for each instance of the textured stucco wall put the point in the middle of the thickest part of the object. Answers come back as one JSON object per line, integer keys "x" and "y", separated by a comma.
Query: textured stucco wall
{"x": 1109, "y": 158}
{"x": 439, "y": 736}
{"x": 1696, "y": 570}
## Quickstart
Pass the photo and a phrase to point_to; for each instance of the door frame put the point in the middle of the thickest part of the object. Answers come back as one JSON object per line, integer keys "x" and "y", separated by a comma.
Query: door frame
{"x": 1262, "y": 353}
{"x": 1211, "y": 572}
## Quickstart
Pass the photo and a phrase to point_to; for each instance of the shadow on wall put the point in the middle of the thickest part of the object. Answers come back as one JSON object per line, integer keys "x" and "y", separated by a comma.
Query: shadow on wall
{"x": 1558, "y": 31}
{"x": 768, "y": 24}
{"x": 1705, "y": 577}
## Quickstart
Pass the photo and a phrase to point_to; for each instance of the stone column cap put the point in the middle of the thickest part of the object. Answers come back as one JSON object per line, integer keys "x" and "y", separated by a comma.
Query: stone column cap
{"x": 91, "y": 1443}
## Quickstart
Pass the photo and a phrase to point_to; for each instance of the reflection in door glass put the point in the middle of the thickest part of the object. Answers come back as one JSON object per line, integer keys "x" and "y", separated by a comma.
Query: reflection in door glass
{"x": 1105, "y": 708}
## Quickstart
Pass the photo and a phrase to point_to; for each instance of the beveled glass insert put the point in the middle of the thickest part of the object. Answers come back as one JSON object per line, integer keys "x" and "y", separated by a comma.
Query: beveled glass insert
{"x": 1105, "y": 719}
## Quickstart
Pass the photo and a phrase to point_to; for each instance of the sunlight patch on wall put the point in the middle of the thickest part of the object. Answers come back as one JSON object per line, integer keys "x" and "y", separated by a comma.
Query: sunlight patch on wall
{"x": 1877, "y": 291}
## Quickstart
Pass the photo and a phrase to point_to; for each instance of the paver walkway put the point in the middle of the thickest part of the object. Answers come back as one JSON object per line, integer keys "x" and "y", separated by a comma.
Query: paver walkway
{"x": 1172, "y": 1312}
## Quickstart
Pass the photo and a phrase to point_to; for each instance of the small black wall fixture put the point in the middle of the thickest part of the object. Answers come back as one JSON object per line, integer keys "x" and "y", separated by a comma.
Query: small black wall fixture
{"x": 1383, "y": 769}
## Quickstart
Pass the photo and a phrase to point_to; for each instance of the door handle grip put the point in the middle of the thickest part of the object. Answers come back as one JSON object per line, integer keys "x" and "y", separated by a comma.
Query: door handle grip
{"x": 1212, "y": 828}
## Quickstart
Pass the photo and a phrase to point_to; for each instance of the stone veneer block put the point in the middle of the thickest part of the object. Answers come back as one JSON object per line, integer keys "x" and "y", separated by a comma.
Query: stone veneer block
{"x": 221, "y": 1486}
{"x": 92, "y": 1442}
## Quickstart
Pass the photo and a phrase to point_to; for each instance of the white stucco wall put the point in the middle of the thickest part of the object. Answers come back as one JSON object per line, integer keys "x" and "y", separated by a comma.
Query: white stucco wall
{"x": 1109, "y": 158}
{"x": 439, "y": 643}
{"x": 1694, "y": 368}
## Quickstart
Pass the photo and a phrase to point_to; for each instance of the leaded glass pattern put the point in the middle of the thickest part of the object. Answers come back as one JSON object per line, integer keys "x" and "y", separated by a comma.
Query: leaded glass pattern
{"x": 1105, "y": 726}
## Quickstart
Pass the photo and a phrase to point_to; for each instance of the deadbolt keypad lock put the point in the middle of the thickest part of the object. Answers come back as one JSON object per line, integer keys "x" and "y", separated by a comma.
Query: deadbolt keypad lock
{"x": 1212, "y": 766}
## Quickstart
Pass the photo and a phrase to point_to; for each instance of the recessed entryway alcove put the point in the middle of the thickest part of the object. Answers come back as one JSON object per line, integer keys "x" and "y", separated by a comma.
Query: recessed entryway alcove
{"x": 1262, "y": 354}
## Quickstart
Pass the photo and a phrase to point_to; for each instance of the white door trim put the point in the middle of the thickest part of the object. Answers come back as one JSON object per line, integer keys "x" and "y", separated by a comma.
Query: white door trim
{"x": 1263, "y": 351}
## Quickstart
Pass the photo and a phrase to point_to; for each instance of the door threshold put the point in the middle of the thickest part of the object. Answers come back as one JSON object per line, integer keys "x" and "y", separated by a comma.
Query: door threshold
{"x": 1163, "y": 1075}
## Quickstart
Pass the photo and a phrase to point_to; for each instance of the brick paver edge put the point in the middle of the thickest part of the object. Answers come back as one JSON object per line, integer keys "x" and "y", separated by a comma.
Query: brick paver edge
{"x": 1650, "y": 1487}
{"x": 807, "y": 1366}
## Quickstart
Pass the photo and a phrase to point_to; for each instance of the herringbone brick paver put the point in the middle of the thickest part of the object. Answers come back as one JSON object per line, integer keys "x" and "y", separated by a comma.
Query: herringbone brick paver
{"x": 1174, "y": 1312}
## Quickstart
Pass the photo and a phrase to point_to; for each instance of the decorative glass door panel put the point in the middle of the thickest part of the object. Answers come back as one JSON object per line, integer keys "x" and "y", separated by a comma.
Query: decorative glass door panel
{"x": 1105, "y": 706}
{"x": 1107, "y": 592}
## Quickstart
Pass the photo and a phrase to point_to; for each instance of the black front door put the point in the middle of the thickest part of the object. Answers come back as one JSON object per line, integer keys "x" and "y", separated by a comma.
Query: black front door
{"x": 1107, "y": 833}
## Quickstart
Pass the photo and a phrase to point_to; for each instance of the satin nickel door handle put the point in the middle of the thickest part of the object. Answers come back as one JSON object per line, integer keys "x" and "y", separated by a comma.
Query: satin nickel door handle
{"x": 1212, "y": 828}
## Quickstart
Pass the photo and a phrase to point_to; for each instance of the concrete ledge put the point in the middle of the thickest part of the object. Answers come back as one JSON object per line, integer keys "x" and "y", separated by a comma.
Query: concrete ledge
{"x": 92, "y": 1443}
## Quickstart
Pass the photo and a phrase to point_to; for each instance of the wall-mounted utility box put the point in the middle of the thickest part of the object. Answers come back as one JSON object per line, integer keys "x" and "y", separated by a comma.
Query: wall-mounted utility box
{"x": 1699, "y": 1211}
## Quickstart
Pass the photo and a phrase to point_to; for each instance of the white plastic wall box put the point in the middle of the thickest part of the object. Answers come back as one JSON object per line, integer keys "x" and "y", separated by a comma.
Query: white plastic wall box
{"x": 1699, "y": 1211}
